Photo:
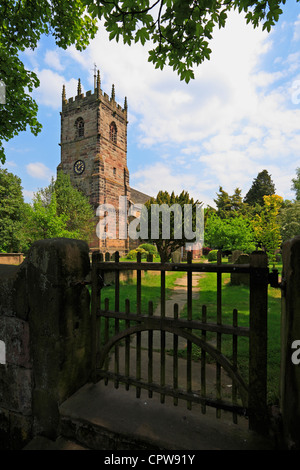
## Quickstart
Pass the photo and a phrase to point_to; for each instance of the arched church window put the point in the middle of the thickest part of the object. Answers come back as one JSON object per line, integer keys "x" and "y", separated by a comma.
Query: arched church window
{"x": 113, "y": 132}
{"x": 79, "y": 125}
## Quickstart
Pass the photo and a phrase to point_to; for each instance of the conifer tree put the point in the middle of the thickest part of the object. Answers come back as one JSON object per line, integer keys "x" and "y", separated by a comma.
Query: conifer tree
{"x": 262, "y": 186}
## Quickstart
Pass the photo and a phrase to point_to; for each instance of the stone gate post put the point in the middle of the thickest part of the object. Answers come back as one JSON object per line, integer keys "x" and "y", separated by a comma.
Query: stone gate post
{"x": 290, "y": 334}
{"x": 45, "y": 333}
{"x": 60, "y": 326}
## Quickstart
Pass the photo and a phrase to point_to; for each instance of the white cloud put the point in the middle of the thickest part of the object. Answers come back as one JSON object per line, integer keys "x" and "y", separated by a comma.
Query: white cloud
{"x": 28, "y": 195}
{"x": 39, "y": 170}
{"x": 163, "y": 177}
{"x": 52, "y": 60}
{"x": 50, "y": 89}
{"x": 11, "y": 163}
{"x": 81, "y": 58}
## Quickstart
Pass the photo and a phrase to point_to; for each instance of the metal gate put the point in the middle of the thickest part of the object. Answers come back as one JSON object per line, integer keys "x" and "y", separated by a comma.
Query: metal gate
{"x": 249, "y": 397}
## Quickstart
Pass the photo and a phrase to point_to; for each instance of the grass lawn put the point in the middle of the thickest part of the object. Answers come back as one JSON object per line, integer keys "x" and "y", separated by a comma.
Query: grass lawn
{"x": 150, "y": 290}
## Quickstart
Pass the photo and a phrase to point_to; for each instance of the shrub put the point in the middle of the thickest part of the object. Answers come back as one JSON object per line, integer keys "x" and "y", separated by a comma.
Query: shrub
{"x": 151, "y": 249}
{"x": 132, "y": 254}
{"x": 212, "y": 255}
{"x": 206, "y": 250}
{"x": 143, "y": 252}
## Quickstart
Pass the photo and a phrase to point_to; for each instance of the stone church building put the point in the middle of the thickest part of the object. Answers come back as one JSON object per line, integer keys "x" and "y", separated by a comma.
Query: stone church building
{"x": 94, "y": 154}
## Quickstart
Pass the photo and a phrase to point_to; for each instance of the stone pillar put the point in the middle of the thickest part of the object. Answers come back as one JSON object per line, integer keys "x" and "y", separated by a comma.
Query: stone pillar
{"x": 290, "y": 332}
{"x": 45, "y": 324}
{"x": 60, "y": 326}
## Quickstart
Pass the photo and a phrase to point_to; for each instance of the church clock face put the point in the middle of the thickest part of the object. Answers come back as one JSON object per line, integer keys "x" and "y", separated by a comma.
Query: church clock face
{"x": 79, "y": 167}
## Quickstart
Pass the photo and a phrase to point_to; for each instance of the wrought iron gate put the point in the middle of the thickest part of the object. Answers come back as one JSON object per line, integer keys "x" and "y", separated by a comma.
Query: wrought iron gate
{"x": 249, "y": 398}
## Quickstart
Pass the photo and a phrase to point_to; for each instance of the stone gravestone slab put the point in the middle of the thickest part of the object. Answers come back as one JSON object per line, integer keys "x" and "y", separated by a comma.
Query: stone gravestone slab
{"x": 235, "y": 255}
{"x": 240, "y": 278}
{"x": 176, "y": 256}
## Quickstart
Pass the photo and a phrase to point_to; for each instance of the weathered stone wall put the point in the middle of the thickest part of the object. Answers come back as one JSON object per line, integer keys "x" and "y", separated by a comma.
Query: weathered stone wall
{"x": 45, "y": 324}
{"x": 290, "y": 332}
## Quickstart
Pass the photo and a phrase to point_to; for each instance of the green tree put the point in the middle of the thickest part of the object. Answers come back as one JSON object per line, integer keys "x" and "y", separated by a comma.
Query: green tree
{"x": 266, "y": 226}
{"x": 171, "y": 228}
{"x": 72, "y": 202}
{"x": 229, "y": 234}
{"x": 228, "y": 206}
{"x": 262, "y": 186}
{"x": 296, "y": 184}
{"x": 179, "y": 30}
{"x": 12, "y": 209}
{"x": 43, "y": 221}
{"x": 60, "y": 210}
{"x": 289, "y": 220}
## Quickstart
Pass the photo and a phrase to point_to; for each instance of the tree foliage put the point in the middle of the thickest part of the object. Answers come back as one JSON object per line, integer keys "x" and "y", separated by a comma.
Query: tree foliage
{"x": 262, "y": 186}
{"x": 59, "y": 210}
{"x": 12, "y": 209}
{"x": 169, "y": 232}
{"x": 228, "y": 206}
{"x": 266, "y": 225}
{"x": 72, "y": 202}
{"x": 289, "y": 220}
{"x": 228, "y": 234}
{"x": 43, "y": 221}
{"x": 179, "y": 30}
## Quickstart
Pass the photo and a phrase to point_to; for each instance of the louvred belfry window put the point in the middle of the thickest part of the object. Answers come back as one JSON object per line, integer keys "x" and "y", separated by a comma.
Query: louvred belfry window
{"x": 79, "y": 125}
{"x": 113, "y": 132}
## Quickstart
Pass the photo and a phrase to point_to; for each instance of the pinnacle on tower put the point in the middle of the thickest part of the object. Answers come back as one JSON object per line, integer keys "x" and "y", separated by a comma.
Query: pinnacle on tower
{"x": 98, "y": 83}
{"x": 95, "y": 77}
{"x": 79, "y": 87}
{"x": 64, "y": 93}
{"x": 125, "y": 104}
{"x": 113, "y": 96}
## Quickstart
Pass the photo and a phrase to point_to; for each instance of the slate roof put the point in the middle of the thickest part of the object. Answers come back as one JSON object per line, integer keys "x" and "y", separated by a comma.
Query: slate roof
{"x": 137, "y": 197}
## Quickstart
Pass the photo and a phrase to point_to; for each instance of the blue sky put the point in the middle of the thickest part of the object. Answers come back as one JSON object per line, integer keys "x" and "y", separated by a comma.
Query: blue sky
{"x": 239, "y": 116}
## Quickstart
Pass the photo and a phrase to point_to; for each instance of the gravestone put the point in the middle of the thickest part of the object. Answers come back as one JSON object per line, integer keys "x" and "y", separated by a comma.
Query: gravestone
{"x": 235, "y": 254}
{"x": 176, "y": 256}
{"x": 238, "y": 279}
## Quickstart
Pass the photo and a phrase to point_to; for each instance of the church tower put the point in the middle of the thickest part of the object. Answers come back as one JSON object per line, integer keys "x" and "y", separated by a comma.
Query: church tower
{"x": 94, "y": 152}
